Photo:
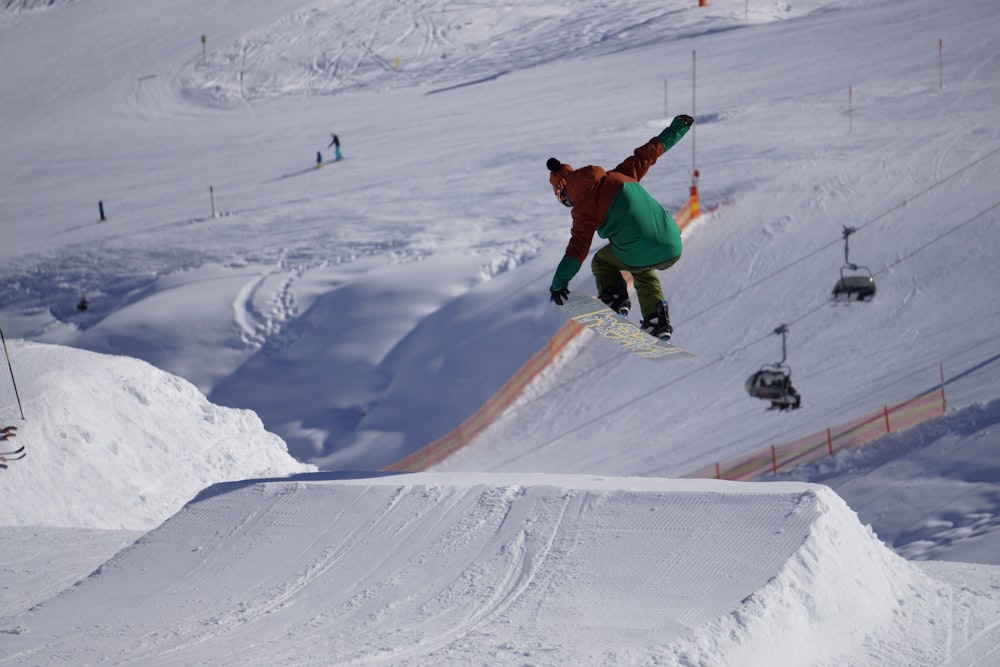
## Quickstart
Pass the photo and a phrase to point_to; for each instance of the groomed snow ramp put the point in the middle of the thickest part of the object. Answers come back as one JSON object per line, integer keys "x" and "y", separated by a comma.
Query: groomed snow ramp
{"x": 438, "y": 569}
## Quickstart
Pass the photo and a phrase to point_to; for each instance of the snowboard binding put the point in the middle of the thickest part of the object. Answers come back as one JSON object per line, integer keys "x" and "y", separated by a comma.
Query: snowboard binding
{"x": 615, "y": 297}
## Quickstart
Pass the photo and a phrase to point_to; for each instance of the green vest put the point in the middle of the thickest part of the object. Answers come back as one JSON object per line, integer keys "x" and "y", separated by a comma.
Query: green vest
{"x": 641, "y": 232}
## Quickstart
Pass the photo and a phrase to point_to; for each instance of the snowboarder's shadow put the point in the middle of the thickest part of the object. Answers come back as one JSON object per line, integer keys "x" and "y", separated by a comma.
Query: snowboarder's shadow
{"x": 322, "y": 476}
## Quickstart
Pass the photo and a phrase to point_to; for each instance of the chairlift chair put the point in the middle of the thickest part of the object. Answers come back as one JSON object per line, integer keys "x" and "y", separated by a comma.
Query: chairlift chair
{"x": 773, "y": 382}
{"x": 860, "y": 285}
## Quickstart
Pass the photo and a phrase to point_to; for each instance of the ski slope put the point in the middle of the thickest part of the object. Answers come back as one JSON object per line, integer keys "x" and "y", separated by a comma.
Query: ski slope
{"x": 263, "y": 351}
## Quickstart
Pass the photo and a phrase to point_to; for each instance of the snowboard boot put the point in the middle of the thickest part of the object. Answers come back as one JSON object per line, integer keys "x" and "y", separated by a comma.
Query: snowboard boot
{"x": 658, "y": 323}
{"x": 616, "y": 297}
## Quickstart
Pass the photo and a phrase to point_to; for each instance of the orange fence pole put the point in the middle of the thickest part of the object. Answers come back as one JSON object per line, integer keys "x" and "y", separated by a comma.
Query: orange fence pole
{"x": 944, "y": 403}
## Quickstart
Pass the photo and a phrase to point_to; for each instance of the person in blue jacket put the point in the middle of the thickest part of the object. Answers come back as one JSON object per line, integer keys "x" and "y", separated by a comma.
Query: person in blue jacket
{"x": 335, "y": 142}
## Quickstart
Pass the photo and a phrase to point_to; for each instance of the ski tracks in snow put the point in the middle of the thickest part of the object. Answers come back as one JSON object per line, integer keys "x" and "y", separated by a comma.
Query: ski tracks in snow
{"x": 322, "y": 568}
{"x": 309, "y": 551}
{"x": 257, "y": 326}
{"x": 331, "y": 47}
{"x": 512, "y": 570}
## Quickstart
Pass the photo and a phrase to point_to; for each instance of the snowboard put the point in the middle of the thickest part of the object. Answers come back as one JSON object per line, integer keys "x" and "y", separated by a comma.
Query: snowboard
{"x": 592, "y": 313}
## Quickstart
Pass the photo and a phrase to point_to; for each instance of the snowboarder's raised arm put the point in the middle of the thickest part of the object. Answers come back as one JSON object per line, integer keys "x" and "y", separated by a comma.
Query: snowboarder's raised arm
{"x": 636, "y": 165}
{"x": 645, "y": 156}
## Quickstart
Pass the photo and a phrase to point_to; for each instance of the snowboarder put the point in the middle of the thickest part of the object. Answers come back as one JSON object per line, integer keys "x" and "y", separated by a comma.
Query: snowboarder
{"x": 643, "y": 237}
{"x": 335, "y": 142}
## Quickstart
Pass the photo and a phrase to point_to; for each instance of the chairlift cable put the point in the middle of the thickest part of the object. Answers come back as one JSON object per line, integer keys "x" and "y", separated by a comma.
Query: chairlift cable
{"x": 939, "y": 238}
{"x": 859, "y": 227}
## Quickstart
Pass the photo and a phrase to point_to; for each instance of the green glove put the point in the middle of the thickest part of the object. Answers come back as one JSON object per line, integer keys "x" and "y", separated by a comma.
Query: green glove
{"x": 682, "y": 120}
{"x": 678, "y": 128}
{"x": 567, "y": 268}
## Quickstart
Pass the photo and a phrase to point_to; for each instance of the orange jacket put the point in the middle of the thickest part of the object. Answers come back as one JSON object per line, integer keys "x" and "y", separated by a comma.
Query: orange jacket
{"x": 593, "y": 191}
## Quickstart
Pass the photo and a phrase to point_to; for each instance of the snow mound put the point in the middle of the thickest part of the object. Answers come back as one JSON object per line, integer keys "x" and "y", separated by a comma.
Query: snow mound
{"x": 436, "y": 568}
{"x": 114, "y": 442}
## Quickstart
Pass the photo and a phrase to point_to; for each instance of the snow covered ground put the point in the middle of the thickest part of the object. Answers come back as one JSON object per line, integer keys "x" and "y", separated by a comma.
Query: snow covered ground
{"x": 365, "y": 308}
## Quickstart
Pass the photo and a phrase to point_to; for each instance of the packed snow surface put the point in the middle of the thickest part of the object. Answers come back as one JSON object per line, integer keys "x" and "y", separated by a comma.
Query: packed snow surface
{"x": 504, "y": 569}
{"x": 263, "y": 335}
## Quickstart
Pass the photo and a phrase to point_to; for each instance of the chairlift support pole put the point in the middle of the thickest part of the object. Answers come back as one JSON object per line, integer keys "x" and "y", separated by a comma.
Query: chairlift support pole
{"x": 847, "y": 234}
{"x": 783, "y": 330}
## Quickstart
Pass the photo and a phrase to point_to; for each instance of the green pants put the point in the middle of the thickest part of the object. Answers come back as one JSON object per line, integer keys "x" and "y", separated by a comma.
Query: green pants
{"x": 607, "y": 270}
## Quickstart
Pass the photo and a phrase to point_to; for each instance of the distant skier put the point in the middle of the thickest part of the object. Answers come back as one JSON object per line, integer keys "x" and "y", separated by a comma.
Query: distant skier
{"x": 643, "y": 237}
{"x": 335, "y": 142}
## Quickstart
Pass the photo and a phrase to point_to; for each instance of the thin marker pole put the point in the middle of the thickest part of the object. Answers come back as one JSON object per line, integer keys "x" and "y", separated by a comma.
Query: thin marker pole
{"x": 850, "y": 108}
{"x": 940, "y": 63}
{"x": 694, "y": 128}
